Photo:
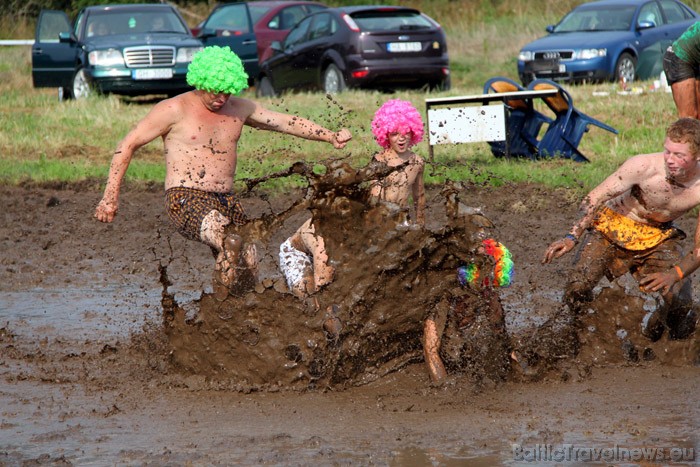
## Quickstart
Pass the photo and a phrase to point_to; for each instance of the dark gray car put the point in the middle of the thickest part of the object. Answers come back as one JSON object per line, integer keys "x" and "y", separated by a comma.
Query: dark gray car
{"x": 380, "y": 47}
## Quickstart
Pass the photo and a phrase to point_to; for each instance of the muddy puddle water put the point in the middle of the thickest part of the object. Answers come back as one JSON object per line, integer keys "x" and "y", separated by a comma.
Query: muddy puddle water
{"x": 134, "y": 373}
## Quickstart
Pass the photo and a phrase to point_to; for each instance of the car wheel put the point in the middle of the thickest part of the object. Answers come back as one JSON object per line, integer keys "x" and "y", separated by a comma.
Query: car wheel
{"x": 626, "y": 68}
{"x": 81, "y": 85}
{"x": 264, "y": 88}
{"x": 333, "y": 81}
{"x": 445, "y": 84}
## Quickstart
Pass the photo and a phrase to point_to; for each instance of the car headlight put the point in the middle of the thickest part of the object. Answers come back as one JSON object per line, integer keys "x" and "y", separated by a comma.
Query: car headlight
{"x": 110, "y": 57}
{"x": 586, "y": 54}
{"x": 185, "y": 54}
{"x": 526, "y": 56}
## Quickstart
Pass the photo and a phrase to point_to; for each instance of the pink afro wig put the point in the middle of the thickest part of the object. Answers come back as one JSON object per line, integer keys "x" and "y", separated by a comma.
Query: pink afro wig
{"x": 397, "y": 116}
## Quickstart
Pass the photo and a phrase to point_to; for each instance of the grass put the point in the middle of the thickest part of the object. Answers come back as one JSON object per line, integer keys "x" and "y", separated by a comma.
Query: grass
{"x": 42, "y": 139}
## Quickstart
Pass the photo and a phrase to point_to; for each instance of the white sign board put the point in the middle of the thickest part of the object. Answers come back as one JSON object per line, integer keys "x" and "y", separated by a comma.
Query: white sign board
{"x": 470, "y": 124}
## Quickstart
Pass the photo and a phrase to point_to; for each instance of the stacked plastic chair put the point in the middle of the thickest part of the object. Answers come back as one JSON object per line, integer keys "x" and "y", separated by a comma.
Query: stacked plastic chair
{"x": 564, "y": 134}
{"x": 523, "y": 121}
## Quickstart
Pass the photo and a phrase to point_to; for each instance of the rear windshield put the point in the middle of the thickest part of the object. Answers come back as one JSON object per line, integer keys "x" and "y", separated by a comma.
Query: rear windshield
{"x": 380, "y": 20}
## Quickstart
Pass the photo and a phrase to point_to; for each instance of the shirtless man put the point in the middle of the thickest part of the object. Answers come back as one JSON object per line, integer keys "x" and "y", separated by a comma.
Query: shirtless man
{"x": 200, "y": 131}
{"x": 626, "y": 226}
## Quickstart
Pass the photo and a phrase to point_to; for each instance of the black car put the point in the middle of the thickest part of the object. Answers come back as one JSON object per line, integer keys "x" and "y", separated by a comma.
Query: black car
{"x": 380, "y": 47}
{"x": 132, "y": 50}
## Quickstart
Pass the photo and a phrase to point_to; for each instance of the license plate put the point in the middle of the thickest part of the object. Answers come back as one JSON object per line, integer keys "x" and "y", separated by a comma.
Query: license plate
{"x": 403, "y": 47}
{"x": 153, "y": 73}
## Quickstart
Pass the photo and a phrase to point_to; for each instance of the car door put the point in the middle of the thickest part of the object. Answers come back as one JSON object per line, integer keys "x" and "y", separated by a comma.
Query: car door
{"x": 53, "y": 53}
{"x": 305, "y": 57}
{"x": 286, "y": 73}
{"x": 231, "y": 25}
{"x": 651, "y": 42}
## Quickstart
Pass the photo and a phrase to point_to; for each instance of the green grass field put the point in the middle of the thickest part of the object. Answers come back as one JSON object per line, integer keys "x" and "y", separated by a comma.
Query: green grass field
{"x": 44, "y": 140}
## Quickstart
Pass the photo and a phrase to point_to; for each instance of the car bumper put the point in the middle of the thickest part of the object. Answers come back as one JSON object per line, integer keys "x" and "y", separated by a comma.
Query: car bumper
{"x": 586, "y": 70}
{"x": 122, "y": 82}
{"x": 416, "y": 73}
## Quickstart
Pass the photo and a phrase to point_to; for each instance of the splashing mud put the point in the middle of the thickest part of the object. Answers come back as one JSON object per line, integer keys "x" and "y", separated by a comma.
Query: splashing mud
{"x": 261, "y": 335}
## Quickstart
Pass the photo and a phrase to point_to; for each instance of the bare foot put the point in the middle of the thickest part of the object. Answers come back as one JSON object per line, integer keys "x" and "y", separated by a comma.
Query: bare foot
{"x": 227, "y": 260}
{"x": 431, "y": 352}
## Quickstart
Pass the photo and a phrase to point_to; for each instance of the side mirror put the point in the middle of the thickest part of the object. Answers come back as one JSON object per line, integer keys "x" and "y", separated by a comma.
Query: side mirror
{"x": 276, "y": 46}
{"x": 645, "y": 25}
{"x": 550, "y": 28}
{"x": 66, "y": 37}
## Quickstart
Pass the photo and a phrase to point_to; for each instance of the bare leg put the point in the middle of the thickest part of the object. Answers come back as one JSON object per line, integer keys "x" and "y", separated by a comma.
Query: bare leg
{"x": 228, "y": 247}
{"x": 685, "y": 95}
{"x": 322, "y": 272}
{"x": 431, "y": 352}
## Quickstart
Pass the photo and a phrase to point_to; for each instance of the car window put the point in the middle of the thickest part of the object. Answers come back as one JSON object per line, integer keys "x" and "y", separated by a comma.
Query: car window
{"x": 52, "y": 22}
{"x": 298, "y": 34}
{"x": 257, "y": 12}
{"x": 323, "y": 25}
{"x": 379, "y": 20}
{"x": 232, "y": 17}
{"x": 313, "y": 8}
{"x": 650, "y": 12}
{"x": 78, "y": 25}
{"x": 613, "y": 18}
{"x": 290, "y": 16}
{"x": 674, "y": 12}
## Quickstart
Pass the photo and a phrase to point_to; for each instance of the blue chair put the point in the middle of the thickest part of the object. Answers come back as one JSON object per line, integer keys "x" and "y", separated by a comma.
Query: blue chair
{"x": 564, "y": 134}
{"x": 523, "y": 121}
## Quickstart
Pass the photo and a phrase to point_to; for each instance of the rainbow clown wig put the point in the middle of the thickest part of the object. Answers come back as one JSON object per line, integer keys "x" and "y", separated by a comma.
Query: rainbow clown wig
{"x": 502, "y": 270}
{"x": 397, "y": 116}
{"x": 217, "y": 69}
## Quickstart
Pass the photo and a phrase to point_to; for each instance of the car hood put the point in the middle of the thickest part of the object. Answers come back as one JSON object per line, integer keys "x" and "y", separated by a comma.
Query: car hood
{"x": 578, "y": 40}
{"x": 128, "y": 40}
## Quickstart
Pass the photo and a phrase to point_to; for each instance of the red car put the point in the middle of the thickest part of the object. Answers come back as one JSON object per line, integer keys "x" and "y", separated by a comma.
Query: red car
{"x": 272, "y": 20}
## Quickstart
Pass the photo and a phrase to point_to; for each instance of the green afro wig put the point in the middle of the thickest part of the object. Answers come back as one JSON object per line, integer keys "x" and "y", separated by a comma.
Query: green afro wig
{"x": 217, "y": 69}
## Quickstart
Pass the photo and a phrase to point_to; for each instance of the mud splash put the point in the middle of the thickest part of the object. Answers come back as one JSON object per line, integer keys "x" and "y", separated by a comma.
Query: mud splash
{"x": 262, "y": 336}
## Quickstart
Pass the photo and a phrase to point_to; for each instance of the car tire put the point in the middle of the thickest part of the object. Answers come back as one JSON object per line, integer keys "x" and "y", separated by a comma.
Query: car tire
{"x": 333, "y": 81}
{"x": 626, "y": 67}
{"x": 265, "y": 88}
{"x": 81, "y": 85}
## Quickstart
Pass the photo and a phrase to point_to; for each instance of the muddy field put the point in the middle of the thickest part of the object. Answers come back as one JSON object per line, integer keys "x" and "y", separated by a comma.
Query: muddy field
{"x": 89, "y": 376}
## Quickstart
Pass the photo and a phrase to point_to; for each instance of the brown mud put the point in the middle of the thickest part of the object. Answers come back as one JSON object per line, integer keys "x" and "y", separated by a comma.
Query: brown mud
{"x": 89, "y": 372}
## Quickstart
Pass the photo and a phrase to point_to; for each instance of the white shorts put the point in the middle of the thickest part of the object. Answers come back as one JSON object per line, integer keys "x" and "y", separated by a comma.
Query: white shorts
{"x": 293, "y": 263}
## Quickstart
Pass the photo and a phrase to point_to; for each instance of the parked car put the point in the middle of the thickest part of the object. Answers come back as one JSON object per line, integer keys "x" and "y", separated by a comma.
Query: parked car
{"x": 369, "y": 46}
{"x": 134, "y": 49}
{"x": 230, "y": 24}
{"x": 272, "y": 20}
{"x": 607, "y": 40}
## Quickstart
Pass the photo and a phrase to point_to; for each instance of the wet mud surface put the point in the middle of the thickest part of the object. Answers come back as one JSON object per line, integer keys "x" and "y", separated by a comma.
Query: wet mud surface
{"x": 90, "y": 371}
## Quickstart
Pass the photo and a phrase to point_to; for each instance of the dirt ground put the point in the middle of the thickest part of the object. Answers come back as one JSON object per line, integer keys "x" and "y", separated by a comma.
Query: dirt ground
{"x": 86, "y": 376}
